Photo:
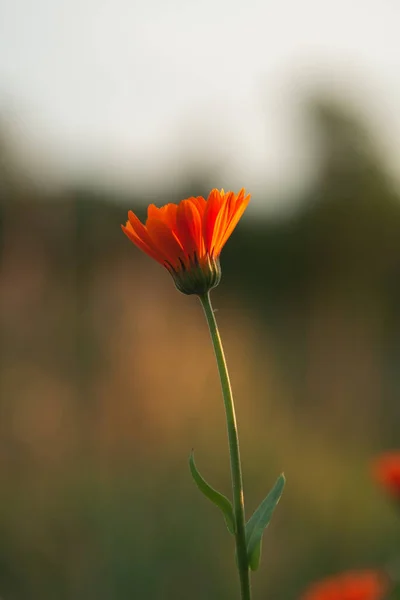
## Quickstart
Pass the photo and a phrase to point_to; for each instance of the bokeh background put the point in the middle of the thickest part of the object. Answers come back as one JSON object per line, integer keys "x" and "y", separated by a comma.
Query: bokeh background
{"x": 107, "y": 377}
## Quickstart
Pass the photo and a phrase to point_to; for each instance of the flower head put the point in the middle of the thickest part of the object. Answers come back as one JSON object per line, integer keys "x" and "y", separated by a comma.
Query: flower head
{"x": 386, "y": 471}
{"x": 351, "y": 585}
{"x": 187, "y": 238}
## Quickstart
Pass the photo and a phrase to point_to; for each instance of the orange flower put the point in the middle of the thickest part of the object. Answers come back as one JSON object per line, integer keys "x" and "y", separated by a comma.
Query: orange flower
{"x": 386, "y": 471}
{"x": 187, "y": 238}
{"x": 351, "y": 585}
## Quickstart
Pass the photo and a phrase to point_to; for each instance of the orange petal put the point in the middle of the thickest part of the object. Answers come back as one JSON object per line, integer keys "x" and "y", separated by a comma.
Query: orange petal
{"x": 189, "y": 228}
{"x": 165, "y": 241}
{"x": 200, "y": 203}
{"x": 166, "y": 214}
{"x": 130, "y": 233}
{"x": 139, "y": 229}
{"x": 211, "y": 211}
{"x": 222, "y": 221}
{"x": 239, "y": 209}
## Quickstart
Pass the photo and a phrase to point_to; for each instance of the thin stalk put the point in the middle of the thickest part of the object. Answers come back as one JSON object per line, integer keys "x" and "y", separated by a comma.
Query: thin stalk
{"x": 236, "y": 470}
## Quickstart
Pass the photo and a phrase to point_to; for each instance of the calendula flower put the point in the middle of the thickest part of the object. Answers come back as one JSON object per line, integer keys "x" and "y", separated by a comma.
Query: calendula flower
{"x": 187, "y": 238}
{"x": 386, "y": 471}
{"x": 351, "y": 585}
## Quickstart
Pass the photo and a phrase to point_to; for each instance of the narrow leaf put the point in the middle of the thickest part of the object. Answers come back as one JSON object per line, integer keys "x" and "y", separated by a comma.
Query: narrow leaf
{"x": 260, "y": 519}
{"x": 254, "y": 559}
{"x": 218, "y": 499}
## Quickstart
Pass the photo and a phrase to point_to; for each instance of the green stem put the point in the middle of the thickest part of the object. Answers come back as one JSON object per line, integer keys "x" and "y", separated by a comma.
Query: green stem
{"x": 236, "y": 470}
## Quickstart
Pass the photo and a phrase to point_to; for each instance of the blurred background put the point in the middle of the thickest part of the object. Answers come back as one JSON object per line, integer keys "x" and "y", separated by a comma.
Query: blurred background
{"x": 107, "y": 376}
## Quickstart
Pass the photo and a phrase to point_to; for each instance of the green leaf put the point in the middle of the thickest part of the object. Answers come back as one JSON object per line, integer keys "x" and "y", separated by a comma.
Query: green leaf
{"x": 218, "y": 499}
{"x": 256, "y": 525}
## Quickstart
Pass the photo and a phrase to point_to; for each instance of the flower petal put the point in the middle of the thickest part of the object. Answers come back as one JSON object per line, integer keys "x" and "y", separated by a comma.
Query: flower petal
{"x": 351, "y": 585}
{"x": 139, "y": 229}
{"x": 165, "y": 241}
{"x": 189, "y": 228}
{"x": 240, "y": 207}
{"x": 211, "y": 211}
{"x": 132, "y": 235}
{"x": 221, "y": 222}
{"x": 201, "y": 204}
{"x": 166, "y": 214}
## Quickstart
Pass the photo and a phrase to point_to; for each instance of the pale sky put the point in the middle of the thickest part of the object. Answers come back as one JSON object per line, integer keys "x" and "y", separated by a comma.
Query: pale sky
{"x": 134, "y": 90}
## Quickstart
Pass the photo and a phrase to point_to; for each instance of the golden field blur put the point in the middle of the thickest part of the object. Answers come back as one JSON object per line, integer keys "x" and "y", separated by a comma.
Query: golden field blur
{"x": 108, "y": 380}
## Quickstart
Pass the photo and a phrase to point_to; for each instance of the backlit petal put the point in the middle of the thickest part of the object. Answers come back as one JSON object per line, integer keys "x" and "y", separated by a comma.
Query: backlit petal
{"x": 165, "y": 241}
{"x": 139, "y": 229}
{"x": 130, "y": 233}
{"x": 201, "y": 204}
{"x": 221, "y": 222}
{"x": 211, "y": 211}
{"x": 189, "y": 228}
{"x": 166, "y": 214}
{"x": 240, "y": 207}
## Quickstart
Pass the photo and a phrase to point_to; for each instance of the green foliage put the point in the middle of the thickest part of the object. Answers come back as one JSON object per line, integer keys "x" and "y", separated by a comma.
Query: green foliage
{"x": 395, "y": 595}
{"x": 218, "y": 499}
{"x": 260, "y": 519}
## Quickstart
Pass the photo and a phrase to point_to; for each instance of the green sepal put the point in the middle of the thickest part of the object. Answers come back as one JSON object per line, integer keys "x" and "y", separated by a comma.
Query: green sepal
{"x": 218, "y": 499}
{"x": 260, "y": 519}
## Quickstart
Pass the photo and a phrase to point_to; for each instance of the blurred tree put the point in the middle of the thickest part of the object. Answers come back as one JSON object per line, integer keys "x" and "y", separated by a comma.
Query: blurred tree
{"x": 327, "y": 277}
